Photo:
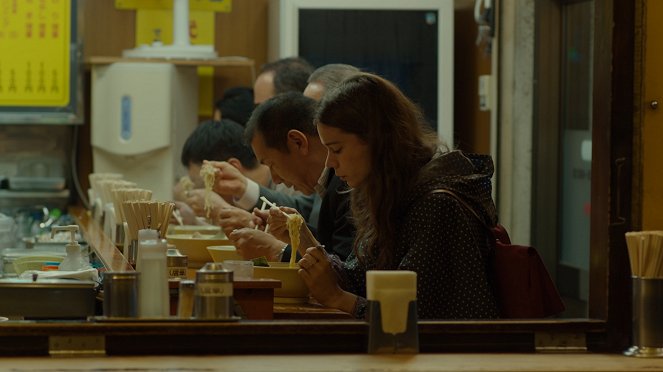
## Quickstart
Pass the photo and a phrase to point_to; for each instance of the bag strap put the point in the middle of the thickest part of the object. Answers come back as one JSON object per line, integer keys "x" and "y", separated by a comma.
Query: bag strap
{"x": 464, "y": 203}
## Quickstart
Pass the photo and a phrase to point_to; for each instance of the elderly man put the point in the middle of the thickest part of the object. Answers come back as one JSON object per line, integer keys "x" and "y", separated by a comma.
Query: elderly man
{"x": 284, "y": 137}
{"x": 324, "y": 78}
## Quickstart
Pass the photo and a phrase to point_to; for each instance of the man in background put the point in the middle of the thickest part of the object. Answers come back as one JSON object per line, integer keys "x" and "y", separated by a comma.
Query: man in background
{"x": 217, "y": 141}
{"x": 283, "y": 75}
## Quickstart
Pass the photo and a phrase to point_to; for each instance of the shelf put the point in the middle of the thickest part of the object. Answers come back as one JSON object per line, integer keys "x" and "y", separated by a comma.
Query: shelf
{"x": 13, "y": 194}
{"x": 217, "y": 62}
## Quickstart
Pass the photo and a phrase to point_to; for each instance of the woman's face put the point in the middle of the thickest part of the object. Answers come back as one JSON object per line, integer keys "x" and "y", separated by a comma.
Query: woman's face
{"x": 347, "y": 154}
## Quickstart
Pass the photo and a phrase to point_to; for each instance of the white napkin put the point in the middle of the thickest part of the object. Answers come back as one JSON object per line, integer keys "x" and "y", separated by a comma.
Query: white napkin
{"x": 85, "y": 274}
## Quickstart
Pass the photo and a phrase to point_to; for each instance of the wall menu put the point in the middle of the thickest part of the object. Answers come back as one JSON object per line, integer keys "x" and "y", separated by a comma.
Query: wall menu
{"x": 35, "y": 43}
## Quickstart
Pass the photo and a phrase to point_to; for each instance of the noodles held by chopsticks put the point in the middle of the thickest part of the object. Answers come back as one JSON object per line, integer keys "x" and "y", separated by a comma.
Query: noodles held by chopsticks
{"x": 294, "y": 223}
{"x": 207, "y": 173}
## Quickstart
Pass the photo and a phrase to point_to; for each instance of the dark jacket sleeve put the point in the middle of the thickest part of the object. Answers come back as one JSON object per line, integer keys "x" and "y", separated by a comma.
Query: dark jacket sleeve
{"x": 335, "y": 229}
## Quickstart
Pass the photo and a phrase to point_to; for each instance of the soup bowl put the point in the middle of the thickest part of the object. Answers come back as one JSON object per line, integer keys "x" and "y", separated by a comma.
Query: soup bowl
{"x": 195, "y": 246}
{"x": 293, "y": 289}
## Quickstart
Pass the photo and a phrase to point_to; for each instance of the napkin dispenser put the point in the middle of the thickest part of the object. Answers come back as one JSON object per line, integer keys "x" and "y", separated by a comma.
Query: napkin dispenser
{"x": 392, "y": 311}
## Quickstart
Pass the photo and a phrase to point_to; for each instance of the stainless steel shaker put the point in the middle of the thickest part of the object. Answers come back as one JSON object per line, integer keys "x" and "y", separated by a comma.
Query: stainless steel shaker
{"x": 121, "y": 294}
{"x": 213, "y": 297}
{"x": 647, "y": 318}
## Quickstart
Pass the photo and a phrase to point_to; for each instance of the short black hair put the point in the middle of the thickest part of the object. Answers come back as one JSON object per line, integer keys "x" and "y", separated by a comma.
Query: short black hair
{"x": 290, "y": 74}
{"x": 218, "y": 141}
{"x": 236, "y": 104}
{"x": 279, "y": 114}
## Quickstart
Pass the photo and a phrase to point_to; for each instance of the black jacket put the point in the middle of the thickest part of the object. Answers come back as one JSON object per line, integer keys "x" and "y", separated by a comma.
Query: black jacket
{"x": 334, "y": 230}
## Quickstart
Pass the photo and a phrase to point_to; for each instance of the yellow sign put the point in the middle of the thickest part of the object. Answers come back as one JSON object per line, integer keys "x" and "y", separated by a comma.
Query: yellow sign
{"x": 224, "y": 6}
{"x": 34, "y": 52}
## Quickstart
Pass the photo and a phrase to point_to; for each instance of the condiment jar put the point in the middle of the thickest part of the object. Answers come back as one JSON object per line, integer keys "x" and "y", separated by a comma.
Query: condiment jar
{"x": 177, "y": 263}
{"x": 213, "y": 297}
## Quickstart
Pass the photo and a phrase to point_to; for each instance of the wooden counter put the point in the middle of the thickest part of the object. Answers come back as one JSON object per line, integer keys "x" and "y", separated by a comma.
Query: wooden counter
{"x": 346, "y": 363}
{"x": 293, "y": 332}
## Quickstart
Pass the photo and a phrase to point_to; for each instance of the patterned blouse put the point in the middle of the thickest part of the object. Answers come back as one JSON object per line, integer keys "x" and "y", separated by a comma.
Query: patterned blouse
{"x": 442, "y": 242}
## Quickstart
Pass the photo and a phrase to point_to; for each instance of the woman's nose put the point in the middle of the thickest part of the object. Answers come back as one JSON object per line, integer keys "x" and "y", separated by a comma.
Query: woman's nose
{"x": 330, "y": 162}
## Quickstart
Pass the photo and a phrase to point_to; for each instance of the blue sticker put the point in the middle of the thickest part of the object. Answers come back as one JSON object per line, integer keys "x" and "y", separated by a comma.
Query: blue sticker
{"x": 431, "y": 18}
{"x": 125, "y": 127}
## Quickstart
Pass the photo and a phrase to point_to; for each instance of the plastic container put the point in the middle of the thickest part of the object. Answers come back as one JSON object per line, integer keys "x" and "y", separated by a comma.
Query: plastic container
{"x": 7, "y": 232}
{"x": 74, "y": 260}
{"x": 153, "y": 297}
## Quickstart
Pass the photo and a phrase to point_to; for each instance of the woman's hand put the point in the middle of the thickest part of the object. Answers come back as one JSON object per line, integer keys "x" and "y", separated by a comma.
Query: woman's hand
{"x": 252, "y": 243}
{"x": 322, "y": 281}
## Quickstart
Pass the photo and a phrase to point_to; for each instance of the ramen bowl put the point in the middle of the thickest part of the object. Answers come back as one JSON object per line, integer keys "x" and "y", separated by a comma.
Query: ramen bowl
{"x": 222, "y": 253}
{"x": 193, "y": 229}
{"x": 195, "y": 246}
{"x": 293, "y": 289}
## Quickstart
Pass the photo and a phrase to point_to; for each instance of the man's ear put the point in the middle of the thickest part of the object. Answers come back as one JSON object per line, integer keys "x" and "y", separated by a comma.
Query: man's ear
{"x": 236, "y": 163}
{"x": 297, "y": 141}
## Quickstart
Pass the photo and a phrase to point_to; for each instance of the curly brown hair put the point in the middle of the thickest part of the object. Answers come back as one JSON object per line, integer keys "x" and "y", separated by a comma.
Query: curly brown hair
{"x": 400, "y": 142}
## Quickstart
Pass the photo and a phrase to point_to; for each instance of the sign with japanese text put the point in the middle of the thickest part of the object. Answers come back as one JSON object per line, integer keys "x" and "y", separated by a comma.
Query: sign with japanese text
{"x": 35, "y": 52}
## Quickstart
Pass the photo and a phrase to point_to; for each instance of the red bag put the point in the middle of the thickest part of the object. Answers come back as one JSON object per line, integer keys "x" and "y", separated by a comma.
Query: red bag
{"x": 524, "y": 287}
{"x": 522, "y": 282}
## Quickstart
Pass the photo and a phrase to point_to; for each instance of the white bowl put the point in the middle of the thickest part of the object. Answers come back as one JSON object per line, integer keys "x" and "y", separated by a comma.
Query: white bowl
{"x": 222, "y": 253}
{"x": 191, "y": 229}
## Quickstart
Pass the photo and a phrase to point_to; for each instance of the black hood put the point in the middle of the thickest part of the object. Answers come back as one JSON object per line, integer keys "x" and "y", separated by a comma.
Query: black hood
{"x": 467, "y": 175}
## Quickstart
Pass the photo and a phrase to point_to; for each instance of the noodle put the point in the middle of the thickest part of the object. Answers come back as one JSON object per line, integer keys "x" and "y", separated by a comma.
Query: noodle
{"x": 294, "y": 223}
{"x": 207, "y": 173}
{"x": 186, "y": 183}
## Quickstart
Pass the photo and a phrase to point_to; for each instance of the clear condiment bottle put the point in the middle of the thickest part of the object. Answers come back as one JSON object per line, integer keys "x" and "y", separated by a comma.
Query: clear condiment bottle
{"x": 151, "y": 263}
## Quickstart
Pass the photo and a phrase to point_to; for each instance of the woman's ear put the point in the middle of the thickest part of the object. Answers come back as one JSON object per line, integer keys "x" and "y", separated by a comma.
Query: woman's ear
{"x": 297, "y": 141}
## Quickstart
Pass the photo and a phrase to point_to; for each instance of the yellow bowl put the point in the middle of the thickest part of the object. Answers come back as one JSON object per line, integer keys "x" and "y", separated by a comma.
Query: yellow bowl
{"x": 222, "y": 253}
{"x": 195, "y": 246}
{"x": 192, "y": 229}
{"x": 293, "y": 289}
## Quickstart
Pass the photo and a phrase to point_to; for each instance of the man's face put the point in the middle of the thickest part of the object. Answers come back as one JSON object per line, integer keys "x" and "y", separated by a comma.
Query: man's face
{"x": 194, "y": 175}
{"x": 285, "y": 167}
{"x": 263, "y": 87}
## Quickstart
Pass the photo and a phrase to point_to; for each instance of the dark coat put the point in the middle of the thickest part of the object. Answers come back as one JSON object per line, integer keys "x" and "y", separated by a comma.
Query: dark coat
{"x": 442, "y": 242}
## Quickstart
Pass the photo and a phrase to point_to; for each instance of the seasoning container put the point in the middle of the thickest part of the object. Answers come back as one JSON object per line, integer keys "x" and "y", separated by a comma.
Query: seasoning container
{"x": 185, "y": 301}
{"x": 392, "y": 311}
{"x": 121, "y": 294}
{"x": 213, "y": 297}
{"x": 151, "y": 263}
{"x": 177, "y": 263}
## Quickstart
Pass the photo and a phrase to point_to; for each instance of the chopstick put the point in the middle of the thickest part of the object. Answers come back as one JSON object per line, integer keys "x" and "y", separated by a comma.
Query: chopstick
{"x": 262, "y": 208}
{"x": 264, "y": 199}
{"x": 178, "y": 216}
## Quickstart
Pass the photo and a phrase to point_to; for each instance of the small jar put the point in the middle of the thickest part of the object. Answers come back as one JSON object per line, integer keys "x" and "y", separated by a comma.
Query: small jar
{"x": 177, "y": 263}
{"x": 214, "y": 292}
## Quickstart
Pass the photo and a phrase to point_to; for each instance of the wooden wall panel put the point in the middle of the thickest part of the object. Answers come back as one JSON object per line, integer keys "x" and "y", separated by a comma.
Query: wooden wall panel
{"x": 652, "y": 130}
{"x": 106, "y": 30}
{"x": 471, "y": 126}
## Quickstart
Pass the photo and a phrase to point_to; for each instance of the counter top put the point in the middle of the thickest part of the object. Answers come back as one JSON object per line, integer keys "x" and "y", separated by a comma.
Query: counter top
{"x": 346, "y": 362}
